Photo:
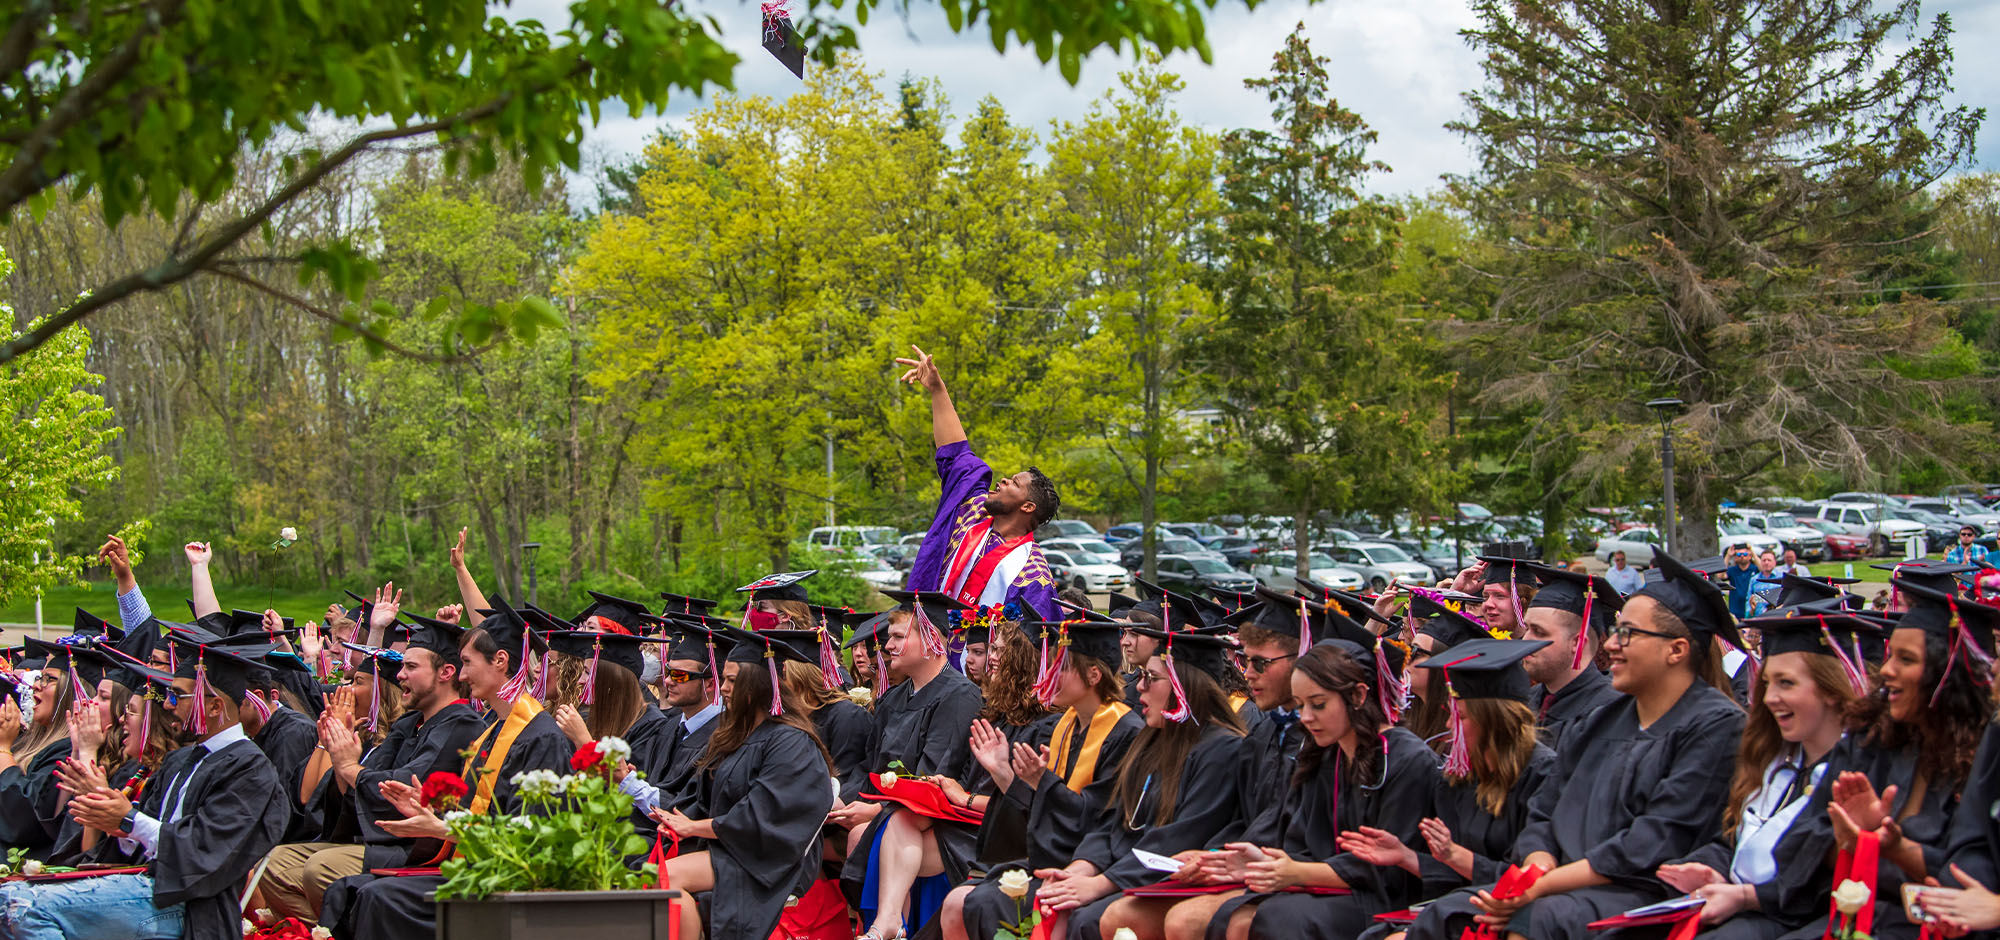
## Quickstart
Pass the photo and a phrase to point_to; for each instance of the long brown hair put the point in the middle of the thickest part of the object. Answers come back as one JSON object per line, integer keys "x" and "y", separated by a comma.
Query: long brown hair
{"x": 1332, "y": 669}
{"x": 805, "y": 682}
{"x": 1504, "y": 748}
{"x": 1946, "y": 733}
{"x": 1159, "y": 754}
{"x": 749, "y": 706}
{"x": 1009, "y": 689}
{"x": 1110, "y": 687}
{"x": 112, "y": 753}
{"x": 1762, "y": 742}
{"x": 1430, "y": 716}
{"x": 566, "y": 683}
{"x": 618, "y": 702}
{"x": 39, "y": 737}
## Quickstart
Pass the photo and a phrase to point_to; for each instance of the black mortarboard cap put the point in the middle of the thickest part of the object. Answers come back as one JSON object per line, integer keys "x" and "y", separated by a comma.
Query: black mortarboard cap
{"x": 1212, "y": 611}
{"x": 1093, "y": 638}
{"x": 750, "y": 647}
{"x": 1936, "y": 575}
{"x": 1349, "y": 604}
{"x": 1119, "y": 602}
{"x": 437, "y": 636}
{"x": 1933, "y": 611}
{"x": 783, "y": 586}
{"x": 1567, "y": 590}
{"x": 1687, "y": 589}
{"x": 68, "y": 653}
{"x": 1504, "y": 568}
{"x": 1084, "y": 612}
{"x": 620, "y": 649}
{"x": 89, "y": 624}
{"x": 831, "y": 619}
{"x": 784, "y": 43}
{"x": 1208, "y": 652}
{"x": 631, "y": 615}
{"x": 1232, "y": 601}
{"x": 1279, "y": 613}
{"x": 228, "y": 668}
{"x": 1798, "y": 589}
{"x": 506, "y": 626}
{"x": 938, "y": 606}
{"x": 1447, "y": 626}
{"x": 684, "y": 604}
{"x": 252, "y": 621}
{"x": 1486, "y": 667}
{"x": 869, "y": 628}
{"x": 691, "y": 643}
{"x": 1802, "y": 629}
{"x": 376, "y": 660}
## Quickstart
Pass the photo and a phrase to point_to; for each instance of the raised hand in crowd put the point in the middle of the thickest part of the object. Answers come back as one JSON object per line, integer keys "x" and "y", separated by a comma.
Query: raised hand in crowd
{"x": 449, "y": 613}
{"x": 470, "y": 597}
{"x": 201, "y": 581}
{"x": 990, "y": 749}
{"x": 114, "y": 553}
{"x": 1030, "y": 763}
{"x": 388, "y": 602}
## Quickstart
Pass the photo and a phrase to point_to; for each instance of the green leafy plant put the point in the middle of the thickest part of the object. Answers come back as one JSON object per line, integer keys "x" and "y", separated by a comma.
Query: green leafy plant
{"x": 574, "y": 835}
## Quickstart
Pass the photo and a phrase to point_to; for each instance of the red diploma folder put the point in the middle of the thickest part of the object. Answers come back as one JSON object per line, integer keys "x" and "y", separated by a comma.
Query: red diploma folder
{"x": 922, "y": 798}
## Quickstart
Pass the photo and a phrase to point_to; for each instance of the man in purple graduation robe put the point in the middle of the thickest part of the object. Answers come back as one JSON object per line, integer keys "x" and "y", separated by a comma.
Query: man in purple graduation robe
{"x": 980, "y": 547}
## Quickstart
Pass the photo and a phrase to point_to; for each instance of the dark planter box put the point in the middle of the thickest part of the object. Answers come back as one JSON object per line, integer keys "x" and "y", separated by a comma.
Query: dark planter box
{"x": 559, "y": 915}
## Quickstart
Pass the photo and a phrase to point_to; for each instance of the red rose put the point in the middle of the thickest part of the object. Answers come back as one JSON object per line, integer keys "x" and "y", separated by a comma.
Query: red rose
{"x": 587, "y": 757}
{"x": 442, "y": 786}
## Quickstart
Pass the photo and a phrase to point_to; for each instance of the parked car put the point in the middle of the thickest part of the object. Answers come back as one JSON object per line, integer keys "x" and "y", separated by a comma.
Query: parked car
{"x": 1940, "y": 533}
{"x": 1984, "y": 493}
{"x": 1879, "y": 499}
{"x": 1840, "y": 546}
{"x": 1066, "y": 529}
{"x": 1962, "y": 511}
{"x": 1123, "y": 532}
{"x": 1085, "y": 573}
{"x": 1133, "y": 553}
{"x": 900, "y": 556}
{"x": 1439, "y": 556}
{"x": 1278, "y": 570}
{"x": 841, "y": 538}
{"x": 1866, "y": 519}
{"x": 1203, "y": 532}
{"x": 1096, "y": 549}
{"x": 878, "y": 573}
{"x": 1638, "y": 544}
{"x": 1181, "y": 573}
{"x": 1734, "y": 531}
{"x": 1237, "y": 550}
{"x": 1382, "y": 564}
{"x": 1808, "y": 542}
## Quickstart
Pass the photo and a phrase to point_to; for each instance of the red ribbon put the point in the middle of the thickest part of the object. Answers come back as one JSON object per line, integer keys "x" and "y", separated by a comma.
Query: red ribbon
{"x": 1855, "y": 864}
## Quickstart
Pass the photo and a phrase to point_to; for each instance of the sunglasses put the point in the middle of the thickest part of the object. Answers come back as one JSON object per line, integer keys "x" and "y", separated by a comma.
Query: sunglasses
{"x": 679, "y": 675}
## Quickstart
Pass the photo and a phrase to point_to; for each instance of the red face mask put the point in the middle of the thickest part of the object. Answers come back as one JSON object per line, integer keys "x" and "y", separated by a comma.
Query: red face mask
{"x": 762, "y": 620}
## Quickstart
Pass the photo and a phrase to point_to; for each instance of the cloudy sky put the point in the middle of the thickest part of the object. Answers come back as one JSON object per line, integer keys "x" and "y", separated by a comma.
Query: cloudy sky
{"x": 1399, "y": 63}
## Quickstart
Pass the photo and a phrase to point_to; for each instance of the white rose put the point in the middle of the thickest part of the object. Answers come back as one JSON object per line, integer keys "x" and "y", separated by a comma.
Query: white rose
{"x": 614, "y": 748}
{"x": 889, "y": 780}
{"x": 31, "y": 867}
{"x": 455, "y": 815}
{"x": 863, "y": 697}
{"x": 1124, "y": 933}
{"x": 248, "y": 927}
{"x": 321, "y": 933}
{"x": 1014, "y": 884}
{"x": 1851, "y": 897}
{"x": 289, "y": 534}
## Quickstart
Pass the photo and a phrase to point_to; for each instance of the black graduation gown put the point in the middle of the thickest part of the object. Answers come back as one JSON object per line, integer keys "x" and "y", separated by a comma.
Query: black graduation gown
{"x": 1207, "y": 803}
{"x": 1057, "y": 819}
{"x": 1973, "y": 842}
{"x": 1396, "y": 802}
{"x": 1927, "y": 824}
{"x": 845, "y": 729}
{"x": 415, "y": 747}
{"x": 1586, "y": 693}
{"x": 649, "y": 736}
{"x": 767, "y": 800}
{"x": 1626, "y": 798}
{"x": 1794, "y": 903}
{"x": 930, "y": 731}
{"x": 1490, "y": 837}
{"x": 28, "y": 795}
{"x": 289, "y": 739}
{"x": 1270, "y": 754}
{"x": 231, "y": 817}
{"x": 683, "y": 748}
{"x": 1002, "y": 833}
{"x": 365, "y": 907}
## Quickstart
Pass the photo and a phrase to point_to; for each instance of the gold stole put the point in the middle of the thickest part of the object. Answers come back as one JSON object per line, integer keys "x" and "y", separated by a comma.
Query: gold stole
{"x": 525, "y": 710}
{"x": 1236, "y": 702}
{"x": 1101, "y": 723}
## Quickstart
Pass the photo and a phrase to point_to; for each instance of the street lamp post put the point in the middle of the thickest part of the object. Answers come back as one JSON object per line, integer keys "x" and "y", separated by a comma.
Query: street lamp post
{"x": 528, "y": 550}
{"x": 1666, "y": 408}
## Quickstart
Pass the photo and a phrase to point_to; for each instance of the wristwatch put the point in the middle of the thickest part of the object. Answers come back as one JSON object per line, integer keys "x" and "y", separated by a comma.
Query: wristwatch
{"x": 130, "y": 822}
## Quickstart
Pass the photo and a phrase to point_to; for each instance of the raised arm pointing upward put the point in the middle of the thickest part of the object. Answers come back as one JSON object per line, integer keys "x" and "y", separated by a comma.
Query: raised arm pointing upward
{"x": 980, "y": 547}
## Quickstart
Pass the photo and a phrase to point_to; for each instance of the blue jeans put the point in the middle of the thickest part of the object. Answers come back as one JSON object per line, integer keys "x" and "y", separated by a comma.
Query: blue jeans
{"x": 108, "y": 907}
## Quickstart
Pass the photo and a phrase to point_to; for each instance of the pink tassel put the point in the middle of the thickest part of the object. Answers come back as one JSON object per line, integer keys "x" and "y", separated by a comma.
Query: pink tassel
{"x": 1856, "y": 678}
{"x": 263, "y": 709}
{"x": 829, "y": 657}
{"x": 1458, "y": 762}
{"x": 881, "y": 670}
{"x": 1388, "y": 686}
{"x": 590, "y": 673}
{"x": 200, "y": 696}
{"x": 1305, "y": 628}
{"x": 1583, "y": 632}
{"x": 1514, "y": 596}
{"x": 1049, "y": 677}
{"x": 77, "y": 693}
{"x": 518, "y": 683}
{"x": 324, "y": 665}
{"x": 1979, "y": 664}
{"x": 714, "y": 674}
{"x": 777, "y": 699}
{"x": 173, "y": 660}
{"x": 934, "y": 644}
{"x": 146, "y": 721}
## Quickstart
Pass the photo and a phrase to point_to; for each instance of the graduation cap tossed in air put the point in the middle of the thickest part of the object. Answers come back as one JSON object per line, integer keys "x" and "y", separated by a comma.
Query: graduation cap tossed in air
{"x": 782, "y": 39}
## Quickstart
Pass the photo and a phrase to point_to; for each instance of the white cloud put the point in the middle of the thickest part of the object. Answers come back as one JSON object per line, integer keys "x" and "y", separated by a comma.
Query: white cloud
{"x": 1401, "y": 65}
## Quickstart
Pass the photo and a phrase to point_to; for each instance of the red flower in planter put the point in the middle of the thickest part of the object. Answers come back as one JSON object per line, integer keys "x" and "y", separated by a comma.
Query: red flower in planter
{"x": 443, "y": 790}
{"x": 586, "y": 757}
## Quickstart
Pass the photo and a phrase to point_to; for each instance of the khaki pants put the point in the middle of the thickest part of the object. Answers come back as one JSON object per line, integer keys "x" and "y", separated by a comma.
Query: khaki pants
{"x": 295, "y": 882}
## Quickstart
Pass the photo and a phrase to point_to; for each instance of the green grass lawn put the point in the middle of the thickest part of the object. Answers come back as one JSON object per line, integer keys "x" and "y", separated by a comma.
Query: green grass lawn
{"x": 169, "y": 601}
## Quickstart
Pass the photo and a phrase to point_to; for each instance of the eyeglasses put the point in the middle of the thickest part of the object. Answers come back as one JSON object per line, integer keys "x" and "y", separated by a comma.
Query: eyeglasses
{"x": 1149, "y": 678}
{"x": 678, "y": 675}
{"x": 1259, "y": 664}
{"x": 1742, "y": 554}
{"x": 44, "y": 679}
{"x": 1623, "y": 634}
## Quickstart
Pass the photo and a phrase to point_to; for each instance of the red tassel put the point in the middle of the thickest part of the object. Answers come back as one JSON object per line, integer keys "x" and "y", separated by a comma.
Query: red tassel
{"x": 881, "y": 670}
{"x": 200, "y": 695}
{"x": 777, "y": 700}
{"x": 146, "y": 720}
{"x": 714, "y": 674}
{"x": 934, "y": 644}
{"x": 590, "y": 672}
{"x": 263, "y": 708}
{"x": 519, "y": 681}
{"x": 829, "y": 657}
{"x": 1048, "y": 677}
{"x": 1305, "y": 628}
{"x": 1583, "y": 632}
{"x": 1389, "y": 686}
{"x": 1856, "y": 677}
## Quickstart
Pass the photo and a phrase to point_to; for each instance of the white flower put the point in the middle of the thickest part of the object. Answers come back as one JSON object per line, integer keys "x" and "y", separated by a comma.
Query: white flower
{"x": 863, "y": 697}
{"x": 31, "y": 867}
{"x": 522, "y": 821}
{"x": 1851, "y": 897}
{"x": 455, "y": 815}
{"x": 289, "y": 534}
{"x": 1014, "y": 884}
{"x": 540, "y": 783}
{"x": 321, "y": 933}
{"x": 889, "y": 780}
{"x": 614, "y": 748}
{"x": 248, "y": 927}
{"x": 1124, "y": 933}
{"x": 791, "y": 900}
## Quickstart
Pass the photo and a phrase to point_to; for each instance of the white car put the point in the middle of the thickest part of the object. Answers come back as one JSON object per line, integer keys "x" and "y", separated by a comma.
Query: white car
{"x": 842, "y": 538}
{"x": 1098, "y": 549}
{"x": 1731, "y": 531}
{"x": 1637, "y": 543}
{"x": 1279, "y": 572}
{"x": 1809, "y": 542}
{"x": 1085, "y": 573}
{"x": 1381, "y": 564}
{"x": 873, "y": 570}
{"x": 1867, "y": 519}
